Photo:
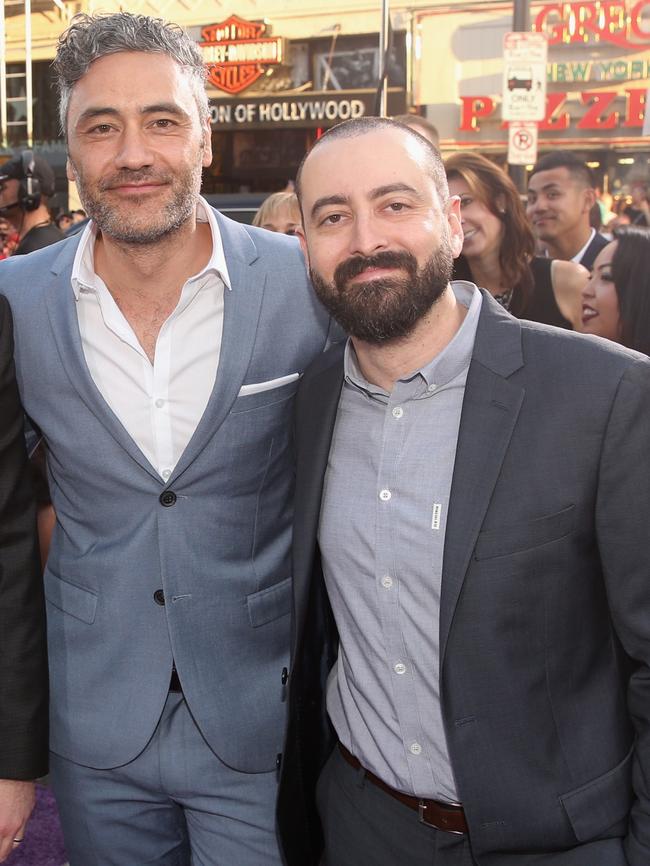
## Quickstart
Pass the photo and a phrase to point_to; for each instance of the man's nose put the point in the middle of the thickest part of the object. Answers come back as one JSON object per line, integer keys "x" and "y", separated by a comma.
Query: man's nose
{"x": 368, "y": 236}
{"x": 134, "y": 151}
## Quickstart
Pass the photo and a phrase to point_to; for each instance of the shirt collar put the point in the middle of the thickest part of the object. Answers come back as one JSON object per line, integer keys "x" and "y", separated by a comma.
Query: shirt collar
{"x": 581, "y": 252}
{"x": 83, "y": 268}
{"x": 448, "y": 364}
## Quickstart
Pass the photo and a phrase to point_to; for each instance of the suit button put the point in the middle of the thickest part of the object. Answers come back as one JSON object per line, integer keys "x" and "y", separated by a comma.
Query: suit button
{"x": 167, "y": 498}
{"x": 159, "y": 597}
{"x": 285, "y": 676}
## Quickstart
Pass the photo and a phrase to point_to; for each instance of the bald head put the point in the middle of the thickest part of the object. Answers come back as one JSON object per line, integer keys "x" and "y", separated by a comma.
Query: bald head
{"x": 366, "y": 126}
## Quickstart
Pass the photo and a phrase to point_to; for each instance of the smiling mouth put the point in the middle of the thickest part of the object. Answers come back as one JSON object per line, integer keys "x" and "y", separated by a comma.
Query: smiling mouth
{"x": 469, "y": 234}
{"x": 588, "y": 313}
{"x": 372, "y": 274}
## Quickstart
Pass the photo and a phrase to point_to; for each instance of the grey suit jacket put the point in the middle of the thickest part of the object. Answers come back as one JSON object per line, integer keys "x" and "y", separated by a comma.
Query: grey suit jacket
{"x": 218, "y": 542}
{"x": 545, "y": 607}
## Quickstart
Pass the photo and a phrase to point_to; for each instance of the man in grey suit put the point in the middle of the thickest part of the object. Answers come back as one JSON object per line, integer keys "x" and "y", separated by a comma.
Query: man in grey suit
{"x": 158, "y": 353}
{"x": 471, "y": 552}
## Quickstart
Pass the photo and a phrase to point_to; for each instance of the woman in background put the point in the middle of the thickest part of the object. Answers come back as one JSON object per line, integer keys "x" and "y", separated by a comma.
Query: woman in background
{"x": 499, "y": 247}
{"x": 279, "y": 212}
{"x": 616, "y": 299}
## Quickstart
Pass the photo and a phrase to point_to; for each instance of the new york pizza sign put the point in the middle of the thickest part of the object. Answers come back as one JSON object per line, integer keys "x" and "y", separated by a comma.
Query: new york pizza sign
{"x": 236, "y": 52}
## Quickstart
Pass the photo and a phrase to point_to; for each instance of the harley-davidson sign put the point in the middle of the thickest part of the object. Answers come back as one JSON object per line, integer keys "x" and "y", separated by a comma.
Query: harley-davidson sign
{"x": 236, "y": 51}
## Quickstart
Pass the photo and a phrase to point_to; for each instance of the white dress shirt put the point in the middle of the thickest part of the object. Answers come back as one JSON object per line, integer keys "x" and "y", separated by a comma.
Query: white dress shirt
{"x": 159, "y": 404}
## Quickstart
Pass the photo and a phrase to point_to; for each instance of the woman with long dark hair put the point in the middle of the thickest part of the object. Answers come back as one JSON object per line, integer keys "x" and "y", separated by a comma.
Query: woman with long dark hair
{"x": 499, "y": 247}
{"x": 616, "y": 299}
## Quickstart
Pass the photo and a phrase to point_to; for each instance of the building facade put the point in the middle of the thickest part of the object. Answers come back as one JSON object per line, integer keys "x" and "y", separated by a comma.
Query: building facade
{"x": 279, "y": 73}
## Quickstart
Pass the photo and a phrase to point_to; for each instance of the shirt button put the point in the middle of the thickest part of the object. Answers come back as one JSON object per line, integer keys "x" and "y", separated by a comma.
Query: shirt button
{"x": 160, "y": 403}
{"x": 159, "y": 597}
{"x": 385, "y": 495}
{"x": 398, "y": 412}
{"x": 431, "y": 388}
{"x": 166, "y": 473}
{"x": 387, "y": 581}
{"x": 400, "y": 668}
{"x": 415, "y": 749}
{"x": 167, "y": 498}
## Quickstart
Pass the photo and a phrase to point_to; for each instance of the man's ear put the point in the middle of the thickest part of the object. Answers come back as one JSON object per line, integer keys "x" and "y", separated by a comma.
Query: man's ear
{"x": 207, "y": 143}
{"x": 455, "y": 228}
{"x": 70, "y": 173}
{"x": 300, "y": 233}
{"x": 590, "y": 198}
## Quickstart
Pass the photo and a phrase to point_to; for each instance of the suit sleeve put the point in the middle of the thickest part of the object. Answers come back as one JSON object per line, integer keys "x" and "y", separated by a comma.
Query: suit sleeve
{"x": 23, "y": 659}
{"x": 623, "y": 527}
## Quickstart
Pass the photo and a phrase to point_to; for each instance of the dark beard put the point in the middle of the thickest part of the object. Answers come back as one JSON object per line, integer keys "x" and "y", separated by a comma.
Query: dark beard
{"x": 389, "y": 308}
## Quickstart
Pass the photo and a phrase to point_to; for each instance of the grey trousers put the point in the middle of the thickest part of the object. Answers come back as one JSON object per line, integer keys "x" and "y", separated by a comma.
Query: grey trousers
{"x": 364, "y": 826}
{"x": 176, "y": 804}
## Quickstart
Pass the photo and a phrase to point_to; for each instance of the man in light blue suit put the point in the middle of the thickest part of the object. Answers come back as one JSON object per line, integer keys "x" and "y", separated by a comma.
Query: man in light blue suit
{"x": 158, "y": 353}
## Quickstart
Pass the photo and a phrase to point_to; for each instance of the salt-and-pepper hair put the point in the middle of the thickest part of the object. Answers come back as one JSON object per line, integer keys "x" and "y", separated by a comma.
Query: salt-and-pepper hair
{"x": 90, "y": 37}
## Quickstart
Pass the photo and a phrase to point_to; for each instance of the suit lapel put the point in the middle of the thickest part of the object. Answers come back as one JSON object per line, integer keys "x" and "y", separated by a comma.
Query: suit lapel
{"x": 315, "y": 416}
{"x": 65, "y": 328}
{"x": 242, "y": 305}
{"x": 490, "y": 409}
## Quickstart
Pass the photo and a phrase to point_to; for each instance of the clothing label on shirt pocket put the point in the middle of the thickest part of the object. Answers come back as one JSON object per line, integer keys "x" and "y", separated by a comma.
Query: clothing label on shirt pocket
{"x": 435, "y": 515}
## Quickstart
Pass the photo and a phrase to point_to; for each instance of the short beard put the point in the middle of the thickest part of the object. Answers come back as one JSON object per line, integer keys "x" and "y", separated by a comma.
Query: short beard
{"x": 112, "y": 222}
{"x": 377, "y": 311}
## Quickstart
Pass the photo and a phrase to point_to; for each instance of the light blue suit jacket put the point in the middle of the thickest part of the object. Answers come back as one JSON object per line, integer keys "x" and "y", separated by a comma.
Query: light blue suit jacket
{"x": 220, "y": 552}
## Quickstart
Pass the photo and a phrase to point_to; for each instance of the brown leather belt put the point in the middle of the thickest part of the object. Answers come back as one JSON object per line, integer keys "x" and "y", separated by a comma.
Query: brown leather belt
{"x": 449, "y": 817}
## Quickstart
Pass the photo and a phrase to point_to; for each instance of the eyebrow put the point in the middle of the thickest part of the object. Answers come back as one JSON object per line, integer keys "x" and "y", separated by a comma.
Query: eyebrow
{"x": 103, "y": 110}
{"x": 374, "y": 194}
{"x": 553, "y": 184}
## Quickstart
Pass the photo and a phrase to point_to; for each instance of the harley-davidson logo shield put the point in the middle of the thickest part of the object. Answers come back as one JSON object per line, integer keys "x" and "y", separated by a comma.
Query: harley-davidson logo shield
{"x": 236, "y": 52}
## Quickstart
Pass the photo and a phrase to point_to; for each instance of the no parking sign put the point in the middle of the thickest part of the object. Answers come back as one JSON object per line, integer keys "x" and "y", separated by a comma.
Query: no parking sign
{"x": 522, "y": 143}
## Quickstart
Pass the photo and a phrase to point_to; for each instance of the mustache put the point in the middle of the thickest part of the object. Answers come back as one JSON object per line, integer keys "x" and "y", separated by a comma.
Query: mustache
{"x": 128, "y": 176}
{"x": 356, "y": 265}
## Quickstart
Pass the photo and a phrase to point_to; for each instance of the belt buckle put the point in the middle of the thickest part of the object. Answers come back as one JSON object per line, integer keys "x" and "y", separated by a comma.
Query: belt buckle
{"x": 422, "y": 810}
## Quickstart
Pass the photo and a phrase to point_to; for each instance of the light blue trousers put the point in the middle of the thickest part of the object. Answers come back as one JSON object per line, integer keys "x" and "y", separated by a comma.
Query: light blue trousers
{"x": 176, "y": 804}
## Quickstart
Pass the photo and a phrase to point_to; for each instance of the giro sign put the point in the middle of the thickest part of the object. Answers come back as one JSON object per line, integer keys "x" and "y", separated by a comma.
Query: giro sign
{"x": 524, "y": 76}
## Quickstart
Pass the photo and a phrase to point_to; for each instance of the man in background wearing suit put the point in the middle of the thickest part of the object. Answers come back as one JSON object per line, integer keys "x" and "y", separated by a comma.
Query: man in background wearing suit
{"x": 561, "y": 194}
{"x": 473, "y": 493}
{"x": 158, "y": 353}
{"x": 23, "y": 661}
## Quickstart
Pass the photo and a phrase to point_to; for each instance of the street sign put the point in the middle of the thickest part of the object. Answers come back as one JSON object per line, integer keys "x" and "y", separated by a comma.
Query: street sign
{"x": 522, "y": 143}
{"x": 524, "y": 76}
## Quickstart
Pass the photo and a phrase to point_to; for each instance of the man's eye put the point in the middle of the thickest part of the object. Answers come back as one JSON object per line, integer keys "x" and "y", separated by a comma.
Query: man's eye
{"x": 101, "y": 128}
{"x": 163, "y": 123}
{"x": 331, "y": 219}
{"x": 397, "y": 206}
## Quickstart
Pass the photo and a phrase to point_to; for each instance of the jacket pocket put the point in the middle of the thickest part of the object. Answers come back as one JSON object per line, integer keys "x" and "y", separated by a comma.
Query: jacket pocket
{"x": 270, "y": 603}
{"x": 517, "y": 537}
{"x": 70, "y": 598}
{"x": 601, "y": 803}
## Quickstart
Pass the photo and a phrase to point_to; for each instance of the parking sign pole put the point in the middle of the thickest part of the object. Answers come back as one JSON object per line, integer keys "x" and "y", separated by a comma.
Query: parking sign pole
{"x": 520, "y": 24}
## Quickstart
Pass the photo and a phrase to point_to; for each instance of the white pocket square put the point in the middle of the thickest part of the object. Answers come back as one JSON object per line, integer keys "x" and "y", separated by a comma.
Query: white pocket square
{"x": 258, "y": 387}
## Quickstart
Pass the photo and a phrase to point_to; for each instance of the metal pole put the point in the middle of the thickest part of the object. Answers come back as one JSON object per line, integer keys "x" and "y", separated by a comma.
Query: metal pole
{"x": 3, "y": 78}
{"x": 383, "y": 54}
{"x": 521, "y": 16}
{"x": 28, "y": 73}
{"x": 520, "y": 24}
